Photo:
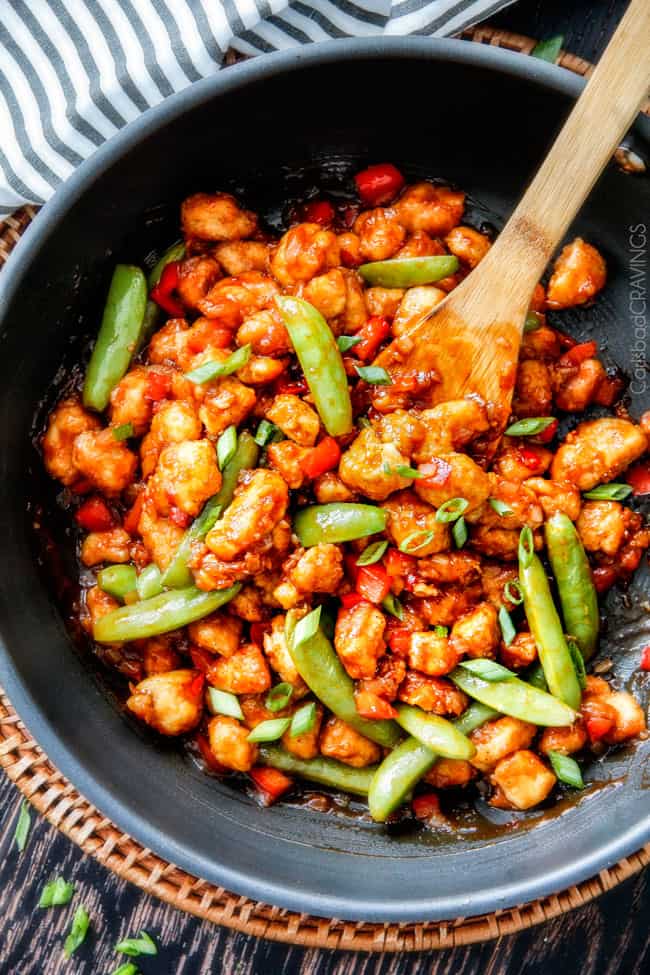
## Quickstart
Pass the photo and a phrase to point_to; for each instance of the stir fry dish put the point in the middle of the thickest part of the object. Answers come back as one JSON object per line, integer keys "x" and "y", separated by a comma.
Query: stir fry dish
{"x": 313, "y": 570}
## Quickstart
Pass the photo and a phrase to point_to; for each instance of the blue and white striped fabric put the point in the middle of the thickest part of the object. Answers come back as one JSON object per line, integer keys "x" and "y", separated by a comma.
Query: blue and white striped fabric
{"x": 72, "y": 72}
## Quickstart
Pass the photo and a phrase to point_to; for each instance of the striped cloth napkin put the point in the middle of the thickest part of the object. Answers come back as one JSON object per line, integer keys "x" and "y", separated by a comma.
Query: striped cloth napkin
{"x": 73, "y": 72}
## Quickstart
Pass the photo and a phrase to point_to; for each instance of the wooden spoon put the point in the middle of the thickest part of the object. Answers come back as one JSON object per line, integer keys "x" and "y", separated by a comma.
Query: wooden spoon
{"x": 470, "y": 342}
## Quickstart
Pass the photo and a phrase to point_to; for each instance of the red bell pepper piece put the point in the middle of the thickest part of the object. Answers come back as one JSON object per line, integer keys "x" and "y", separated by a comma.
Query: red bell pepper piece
{"x": 639, "y": 477}
{"x": 195, "y": 688}
{"x": 158, "y": 386}
{"x": 379, "y": 184}
{"x": 578, "y": 354}
{"x": 529, "y": 457}
{"x": 609, "y": 390}
{"x": 373, "y": 583}
{"x": 162, "y": 293}
{"x": 426, "y": 806}
{"x": 319, "y": 211}
{"x": 399, "y": 563}
{"x": 604, "y": 577}
{"x": 271, "y": 782}
{"x": 325, "y": 456}
{"x": 294, "y": 386}
{"x": 645, "y": 658}
{"x": 82, "y": 486}
{"x": 94, "y": 515}
{"x": 132, "y": 517}
{"x": 372, "y": 334}
{"x": 372, "y": 706}
{"x": 435, "y": 472}
{"x": 598, "y": 726}
{"x": 547, "y": 435}
{"x": 399, "y": 640}
{"x": 201, "y": 659}
{"x": 257, "y": 631}
{"x": 351, "y": 599}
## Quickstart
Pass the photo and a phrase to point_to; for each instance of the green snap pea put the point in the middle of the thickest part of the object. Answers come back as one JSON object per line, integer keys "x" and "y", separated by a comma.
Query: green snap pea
{"x": 149, "y": 582}
{"x": 119, "y": 335}
{"x": 152, "y": 311}
{"x": 319, "y": 666}
{"x": 321, "y": 362}
{"x": 516, "y": 698}
{"x": 544, "y": 622}
{"x": 574, "y": 582}
{"x": 406, "y": 272}
{"x": 117, "y": 580}
{"x": 339, "y": 521}
{"x": 438, "y": 734}
{"x": 178, "y": 575}
{"x": 325, "y": 771}
{"x": 161, "y": 614}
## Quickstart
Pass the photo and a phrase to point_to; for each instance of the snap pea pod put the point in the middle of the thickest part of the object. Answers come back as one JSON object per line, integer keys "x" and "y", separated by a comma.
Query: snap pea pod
{"x": 574, "y": 582}
{"x": 117, "y": 580}
{"x": 149, "y": 582}
{"x": 177, "y": 574}
{"x": 321, "y": 362}
{"x": 438, "y": 734}
{"x": 118, "y": 337}
{"x": 339, "y": 521}
{"x": 544, "y": 622}
{"x": 403, "y": 768}
{"x": 319, "y": 666}
{"x": 325, "y": 771}
{"x": 405, "y": 272}
{"x": 161, "y": 614}
{"x": 152, "y": 311}
{"x": 516, "y": 698}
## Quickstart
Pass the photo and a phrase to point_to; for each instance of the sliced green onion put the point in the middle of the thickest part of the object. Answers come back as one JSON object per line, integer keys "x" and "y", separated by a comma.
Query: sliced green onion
{"x": 393, "y": 606}
{"x": 441, "y": 630}
{"x": 459, "y": 532}
{"x": 566, "y": 769}
{"x": 23, "y": 825}
{"x": 346, "y": 342}
{"x": 487, "y": 669}
{"x": 128, "y": 968}
{"x": 375, "y": 375}
{"x": 267, "y": 433}
{"x": 403, "y": 470}
{"x": 364, "y": 423}
{"x": 608, "y": 492}
{"x": 512, "y": 592}
{"x": 269, "y": 730}
{"x": 117, "y": 580}
{"x": 223, "y": 702}
{"x": 56, "y": 893}
{"x": 215, "y": 370}
{"x": 526, "y": 547}
{"x": 278, "y": 697}
{"x": 142, "y": 945}
{"x": 530, "y": 426}
{"x": 549, "y": 49}
{"x": 149, "y": 582}
{"x": 78, "y": 931}
{"x": 501, "y": 508}
{"x": 451, "y": 510}
{"x": 372, "y": 553}
{"x": 226, "y": 446}
{"x": 123, "y": 432}
{"x": 303, "y": 720}
{"x": 507, "y": 627}
{"x": 578, "y": 662}
{"x": 306, "y": 627}
{"x": 408, "y": 546}
{"x": 533, "y": 321}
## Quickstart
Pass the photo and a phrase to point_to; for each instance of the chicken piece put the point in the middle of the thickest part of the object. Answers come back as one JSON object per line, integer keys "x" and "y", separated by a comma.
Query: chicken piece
{"x": 522, "y": 652}
{"x": 265, "y": 332}
{"x": 566, "y": 741}
{"x": 329, "y": 487}
{"x": 129, "y": 402}
{"x": 229, "y": 743}
{"x": 433, "y": 694}
{"x": 468, "y": 245}
{"x": 383, "y": 301}
{"x": 169, "y": 344}
{"x": 462, "y": 568}
{"x": 245, "y": 672}
{"x": 522, "y": 504}
{"x": 496, "y": 543}
{"x": 304, "y": 252}
{"x": 416, "y": 303}
{"x": 227, "y": 402}
{"x": 110, "y": 546}
{"x": 449, "y": 427}
{"x": 98, "y": 603}
{"x": 433, "y": 209}
{"x": 465, "y": 479}
{"x": 354, "y": 314}
{"x": 402, "y": 429}
{"x": 172, "y": 703}
{"x": 432, "y": 654}
{"x": 196, "y": 275}
{"x": 555, "y": 496}
{"x": 446, "y": 606}
{"x": 161, "y": 536}
{"x": 238, "y": 256}
{"x": 350, "y": 246}
{"x": 359, "y": 639}
{"x": 575, "y": 388}
{"x": 216, "y": 216}
{"x": 409, "y": 515}
{"x": 174, "y": 422}
{"x": 390, "y": 674}
{"x": 496, "y": 739}
{"x": 186, "y": 475}
{"x": 516, "y": 462}
{"x": 629, "y": 717}
{"x": 363, "y": 466}
{"x": 494, "y": 577}
{"x": 158, "y": 656}
{"x": 601, "y": 526}
{"x": 316, "y": 569}
{"x": 305, "y": 745}
{"x": 260, "y": 503}
{"x": 450, "y": 773}
{"x": 296, "y": 419}
{"x": 477, "y": 633}
{"x": 277, "y": 652}
{"x": 533, "y": 394}
{"x": 338, "y": 740}
{"x": 579, "y": 273}
{"x": 219, "y": 633}
{"x": 248, "y": 604}
{"x": 327, "y": 293}
{"x": 286, "y": 457}
{"x": 542, "y": 343}
{"x": 380, "y": 234}
{"x": 420, "y": 244}
{"x": 106, "y": 462}
{"x": 522, "y": 781}
{"x": 261, "y": 369}
{"x": 597, "y": 451}
{"x": 232, "y": 300}
{"x": 66, "y": 422}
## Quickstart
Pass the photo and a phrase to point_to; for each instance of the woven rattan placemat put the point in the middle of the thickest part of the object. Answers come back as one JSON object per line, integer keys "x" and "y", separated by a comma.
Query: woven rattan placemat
{"x": 55, "y": 798}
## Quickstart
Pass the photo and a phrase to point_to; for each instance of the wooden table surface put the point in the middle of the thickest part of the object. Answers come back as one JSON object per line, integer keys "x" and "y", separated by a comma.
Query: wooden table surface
{"x": 608, "y": 936}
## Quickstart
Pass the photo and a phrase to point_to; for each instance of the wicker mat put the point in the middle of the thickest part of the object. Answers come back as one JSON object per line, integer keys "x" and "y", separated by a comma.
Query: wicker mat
{"x": 55, "y": 798}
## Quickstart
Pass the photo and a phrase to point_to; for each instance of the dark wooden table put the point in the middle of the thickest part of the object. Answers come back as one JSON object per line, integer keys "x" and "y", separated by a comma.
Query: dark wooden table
{"x": 608, "y": 936}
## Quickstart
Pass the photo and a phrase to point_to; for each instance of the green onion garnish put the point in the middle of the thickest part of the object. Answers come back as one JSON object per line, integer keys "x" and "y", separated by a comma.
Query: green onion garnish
{"x": 372, "y": 553}
{"x": 23, "y": 825}
{"x": 451, "y": 510}
{"x": 608, "y": 492}
{"x": 56, "y": 893}
{"x": 530, "y": 426}
{"x": 566, "y": 769}
{"x": 512, "y": 592}
{"x": 533, "y": 321}
{"x": 78, "y": 931}
{"x": 223, "y": 702}
{"x": 486, "y": 669}
{"x": 549, "y": 49}
{"x": 346, "y": 342}
{"x": 142, "y": 945}
{"x": 214, "y": 370}
{"x": 269, "y": 730}
{"x": 507, "y": 628}
{"x": 441, "y": 630}
{"x": 403, "y": 470}
{"x": 278, "y": 697}
{"x": 303, "y": 720}
{"x": 128, "y": 968}
{"x": 411, "y": 544}
{"x": 226, "y": 446}
{"x": 501, "y": 508}
{"x": 393, "y": 606}
{"x": 526, "y": 547}
{"x": 267, "y": 433}
{"x": 306, "y": 627}
{"x": 459, "y": 532}
{"x": 123, "y": 432}
{"x": 374, "y": 375}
